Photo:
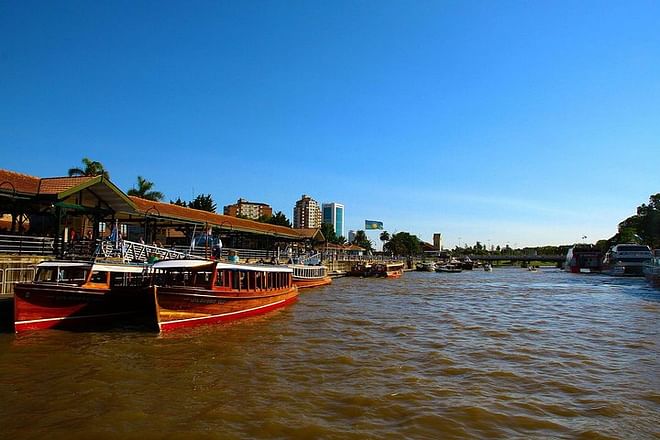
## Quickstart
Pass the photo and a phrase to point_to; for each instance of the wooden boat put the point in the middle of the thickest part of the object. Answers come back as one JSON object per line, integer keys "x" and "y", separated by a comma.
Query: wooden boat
{"x": 66, "y": 294}
{"x": 195, "y": 292}
{"x": 388, "y": 270}
{"x": 361, "y": 270}
{"x": 305, "y": 276}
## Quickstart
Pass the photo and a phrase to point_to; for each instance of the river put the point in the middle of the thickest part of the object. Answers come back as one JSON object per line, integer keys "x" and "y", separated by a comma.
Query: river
{"x": 502, "y": 354}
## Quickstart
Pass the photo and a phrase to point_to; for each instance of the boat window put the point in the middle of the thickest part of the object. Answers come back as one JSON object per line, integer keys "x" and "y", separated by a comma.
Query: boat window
{"x": 203, "y": 278}
{"x": 222, "y": 279}
{"x": 69, "y": 275}
{"x": 99, "y": 277}
{"x": 633, "y": 249}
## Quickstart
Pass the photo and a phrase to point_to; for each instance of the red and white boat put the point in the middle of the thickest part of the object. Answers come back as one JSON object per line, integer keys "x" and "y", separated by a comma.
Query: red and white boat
{"x": 583, "y": 259}
{"x": 195, "y": 292}
{"x": 66, "y": 294}
{"x": 305, "y": 276}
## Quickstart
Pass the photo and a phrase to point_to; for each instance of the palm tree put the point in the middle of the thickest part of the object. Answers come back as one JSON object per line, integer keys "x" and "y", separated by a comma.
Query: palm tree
{"x": 91, "y": 168}
{"x": 384, "y": 237}
{"x": 144, "y": 190}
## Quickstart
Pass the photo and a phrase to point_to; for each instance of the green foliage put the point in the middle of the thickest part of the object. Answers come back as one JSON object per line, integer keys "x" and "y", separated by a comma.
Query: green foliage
{"x": 403, "y": 243}
{"x": 384, "y": 236}
{"x": 203, "y": 202}
{"x": 276, "y": 219}
{"x": 363, "y": 241}
{"x": 643, "y": 227}
{"x": 179, "y": 202}
{"x": 144, "y": 190}
{"x": 341, "y": 240}
{"x": 328, "y": 231}
{"x": 90, "y": 168}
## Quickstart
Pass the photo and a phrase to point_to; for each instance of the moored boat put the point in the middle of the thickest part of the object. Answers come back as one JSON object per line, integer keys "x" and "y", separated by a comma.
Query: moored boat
{"x": 305, "y": 276}
{"x": 652, "y": 269}
{"x": 449, "y": 268}
{"x": 626, "y": 260}
{"x": 361, "y": 269}
{"x": 425, "y": 266}
{"x": 583, "y": 259}
{"x": 195, "y": 292}
{"x": 66, "y": 294}
{"x": 388, "y": 270}
{"x": 488, "y": 267}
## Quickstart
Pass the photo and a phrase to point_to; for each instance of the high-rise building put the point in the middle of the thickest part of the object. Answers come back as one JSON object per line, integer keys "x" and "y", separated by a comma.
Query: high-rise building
{"x": 437, "y": 241}
{"x": 351, "y": 236}
{"x": 247, "y": 209}
{"x": 333, "y": 213}
{"x": 307, "y": 213}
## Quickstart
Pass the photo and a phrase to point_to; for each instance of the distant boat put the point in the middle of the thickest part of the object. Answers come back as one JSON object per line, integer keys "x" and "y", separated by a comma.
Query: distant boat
{"x": 532, "y": 268}
{"x": 652, "y": 269}
{"x": 388, "y": 270}
{"x": 626, "y": 260}
{"x": 488, "y": 267}
{"x": 467, "y": 264}
{"x": 305, "y": 276}
{"x": 425, "y": 266}
{"x": 451, "y": 267}
{"x": 583, "y": 258}
{"x": 360, "y": 269}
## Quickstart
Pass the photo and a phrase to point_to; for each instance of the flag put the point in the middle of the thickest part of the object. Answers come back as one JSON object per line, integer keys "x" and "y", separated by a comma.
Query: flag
{"x": 372, "y": 224}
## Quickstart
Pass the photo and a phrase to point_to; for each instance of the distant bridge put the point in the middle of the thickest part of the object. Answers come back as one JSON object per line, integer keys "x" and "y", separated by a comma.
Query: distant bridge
{"x": 529, "y": 257}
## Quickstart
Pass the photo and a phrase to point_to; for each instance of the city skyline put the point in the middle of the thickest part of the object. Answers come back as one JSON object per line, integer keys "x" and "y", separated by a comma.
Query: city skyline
{"x": 519, "y": 124}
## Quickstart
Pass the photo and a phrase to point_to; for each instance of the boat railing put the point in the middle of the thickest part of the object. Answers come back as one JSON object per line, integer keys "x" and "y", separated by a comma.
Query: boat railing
{"x": 132, "y": 251}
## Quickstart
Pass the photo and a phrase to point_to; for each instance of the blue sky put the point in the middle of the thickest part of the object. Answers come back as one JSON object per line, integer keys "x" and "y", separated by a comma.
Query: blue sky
{"x": 517, "y": 122}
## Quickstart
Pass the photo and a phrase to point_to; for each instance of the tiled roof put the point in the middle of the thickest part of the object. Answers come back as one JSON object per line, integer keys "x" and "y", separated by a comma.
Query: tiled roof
{"x": 169, "y": 210}
{"x": 32, "y": 185}
{"x": 21, "y": 183}
{"x": 55, "y": 185}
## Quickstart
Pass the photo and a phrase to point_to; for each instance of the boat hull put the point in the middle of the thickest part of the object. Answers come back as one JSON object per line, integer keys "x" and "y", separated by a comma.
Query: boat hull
{"x": 305, "y": 283}
{"x": 39, "y": 307}
{"x": 179, "y": 308}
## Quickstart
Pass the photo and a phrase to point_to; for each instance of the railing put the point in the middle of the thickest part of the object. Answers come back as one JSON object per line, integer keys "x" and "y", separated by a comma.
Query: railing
{"x": 133, "y": 251}
{"x": 12, "y": 276}
{"x": 26, "y": 244}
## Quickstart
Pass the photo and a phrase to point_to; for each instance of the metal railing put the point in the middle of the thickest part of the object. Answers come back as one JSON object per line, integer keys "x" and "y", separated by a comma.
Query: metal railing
{"x": 26, "y": 245}
{"x": 12, "y": 276}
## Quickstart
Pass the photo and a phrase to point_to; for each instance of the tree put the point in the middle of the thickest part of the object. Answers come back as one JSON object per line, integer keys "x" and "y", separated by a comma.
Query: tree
{"x": 363, "y": 241}
{"x": 403, "y": 243}
{"x": 328, "y": 232}
{"x": 276, "y": 219}
{"x": 642, "y": 227}
{"x": 203, "y": 202}
{"x": 384, "y": 237}
{"x": 90, "y": 168}
{"x": 179, "y": 202}
{"x": 341, "y": 240}
{"x": 144, "y": 190}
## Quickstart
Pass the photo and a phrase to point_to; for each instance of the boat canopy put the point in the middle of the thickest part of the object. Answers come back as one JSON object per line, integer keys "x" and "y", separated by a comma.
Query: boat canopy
{"x": 63, "y": 264}
{"x": 121, "y": 268}
{"x": 192, "y": 264}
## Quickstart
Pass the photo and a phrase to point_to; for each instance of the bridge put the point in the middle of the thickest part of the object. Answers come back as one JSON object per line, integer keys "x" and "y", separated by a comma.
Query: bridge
{"x": 528, "y": 257}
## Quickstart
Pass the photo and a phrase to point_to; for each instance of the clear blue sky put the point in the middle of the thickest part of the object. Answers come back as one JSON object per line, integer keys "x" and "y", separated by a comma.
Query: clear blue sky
{"x": 515, "y": 122}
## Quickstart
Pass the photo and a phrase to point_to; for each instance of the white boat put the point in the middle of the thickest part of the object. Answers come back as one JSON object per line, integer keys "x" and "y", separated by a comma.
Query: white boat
{"x": 488, "y": 267}
{"x": 425, "y": 266}
{"x": 626, "y": 260}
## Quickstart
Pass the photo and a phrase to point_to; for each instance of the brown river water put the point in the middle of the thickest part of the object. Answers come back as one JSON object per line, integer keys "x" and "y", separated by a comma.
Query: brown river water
{"x": 502, "y": 354}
